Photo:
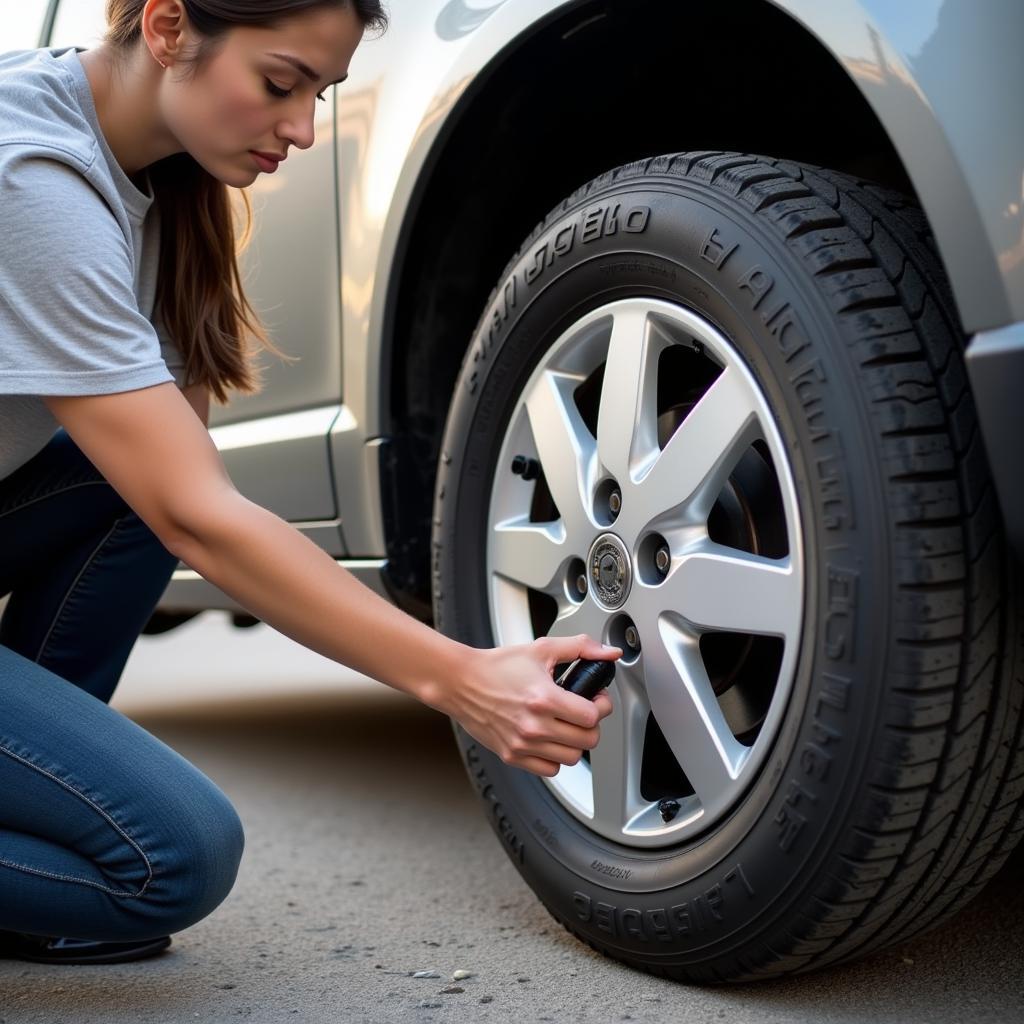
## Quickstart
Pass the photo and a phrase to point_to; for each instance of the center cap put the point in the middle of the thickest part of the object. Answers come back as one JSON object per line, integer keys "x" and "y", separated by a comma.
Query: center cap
{"x": 610, "y": 571}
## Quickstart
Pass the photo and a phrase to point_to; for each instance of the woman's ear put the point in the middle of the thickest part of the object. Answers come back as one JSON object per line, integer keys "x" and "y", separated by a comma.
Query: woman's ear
{"x": 165, "y": 29}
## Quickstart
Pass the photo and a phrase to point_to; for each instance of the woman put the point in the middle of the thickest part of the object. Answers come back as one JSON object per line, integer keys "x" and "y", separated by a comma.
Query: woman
{"x": 120, "y": 313}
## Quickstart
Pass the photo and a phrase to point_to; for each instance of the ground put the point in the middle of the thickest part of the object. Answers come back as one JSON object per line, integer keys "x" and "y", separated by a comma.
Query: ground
{"x": 368, "y": 858}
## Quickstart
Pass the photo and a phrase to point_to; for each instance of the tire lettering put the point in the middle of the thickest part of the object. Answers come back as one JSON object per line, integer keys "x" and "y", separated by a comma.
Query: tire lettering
{"x": 836, "y": 508}
{"x": 686, "y": 917}
{"x": 637, "y": 219}
{"x": 594, "y": 223}
{"x": 704, "y": 912}
{"x": 806, "y": 383}
{"x": 657, "y": 925}
{"x": 714, "y": 898}
{"x": 736, "y": 874}
{"x": 633, "y": 924}
{"x": 834, "y": 693}
{"x": 790, "y": 818}
{"x": 534, "y": 269}
{"x": 814, "y": 758}
{"x": 545, "y": 832}
{"x": 563, "y": 243}
{"x": 604, "y": 917}
{"x": 600, "y": 222}
{"x": 715, "y": 250}
{"x": 815, "y": 761}
{"x": 610, "y": 869}
{"x": 758, "y": 283}
{"x": 494, "y": 807}
{"x": 500, "y": 313}
{"x": 841, "y": 597}
{"x": 785, "y": 328}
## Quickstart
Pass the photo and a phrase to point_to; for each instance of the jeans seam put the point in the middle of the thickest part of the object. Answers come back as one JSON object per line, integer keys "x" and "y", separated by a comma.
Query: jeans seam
{"x": 71, "y": 589}
{"x": 100, "y": 811}
{"x": 69, "y": 878}
{"x": 51, "y": 494}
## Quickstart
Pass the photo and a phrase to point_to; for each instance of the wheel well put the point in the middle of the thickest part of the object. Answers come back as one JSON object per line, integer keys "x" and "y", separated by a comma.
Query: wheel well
{"x": 603, "y": 83}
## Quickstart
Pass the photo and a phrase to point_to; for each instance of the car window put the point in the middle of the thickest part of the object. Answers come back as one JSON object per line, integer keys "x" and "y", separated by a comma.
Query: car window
{"x": 79, "y": 23}
{"x": 21, "y": 24}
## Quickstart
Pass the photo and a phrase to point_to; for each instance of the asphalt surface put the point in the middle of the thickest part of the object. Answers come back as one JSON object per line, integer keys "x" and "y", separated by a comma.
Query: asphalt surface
{"x": 368, "y": 857}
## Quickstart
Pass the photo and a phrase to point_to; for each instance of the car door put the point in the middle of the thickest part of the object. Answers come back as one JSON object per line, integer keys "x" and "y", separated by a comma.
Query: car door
{"x": 275, "y": 444}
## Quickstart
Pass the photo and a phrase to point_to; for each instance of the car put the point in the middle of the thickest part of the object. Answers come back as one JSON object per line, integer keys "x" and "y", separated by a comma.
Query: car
{"x": 696, "y": 327}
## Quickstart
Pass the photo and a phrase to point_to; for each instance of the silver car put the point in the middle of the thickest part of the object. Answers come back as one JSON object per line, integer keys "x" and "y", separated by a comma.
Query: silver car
{"x": 697, "y": 327}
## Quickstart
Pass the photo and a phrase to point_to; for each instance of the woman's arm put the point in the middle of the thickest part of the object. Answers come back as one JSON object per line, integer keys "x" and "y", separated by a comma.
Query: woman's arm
{"x": 159, "y": 457}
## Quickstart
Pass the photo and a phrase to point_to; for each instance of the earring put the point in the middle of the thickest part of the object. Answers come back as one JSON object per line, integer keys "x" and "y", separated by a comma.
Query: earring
{"x": 161, "y": 63}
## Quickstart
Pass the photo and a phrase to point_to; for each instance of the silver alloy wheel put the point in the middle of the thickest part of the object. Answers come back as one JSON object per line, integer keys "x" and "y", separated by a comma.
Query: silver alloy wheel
{"x": 667, "y": 489}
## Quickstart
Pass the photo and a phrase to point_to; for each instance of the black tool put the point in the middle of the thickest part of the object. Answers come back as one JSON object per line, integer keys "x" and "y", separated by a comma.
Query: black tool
{"x": 587, "y": 678}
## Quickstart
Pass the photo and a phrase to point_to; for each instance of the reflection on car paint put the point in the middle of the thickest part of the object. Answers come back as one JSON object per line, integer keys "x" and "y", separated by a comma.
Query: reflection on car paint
{"x": 459, "y": 18}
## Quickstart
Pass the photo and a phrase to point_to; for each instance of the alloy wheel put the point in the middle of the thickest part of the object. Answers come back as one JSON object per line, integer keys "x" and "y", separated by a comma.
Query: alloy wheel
{"x": 643, "y": 496}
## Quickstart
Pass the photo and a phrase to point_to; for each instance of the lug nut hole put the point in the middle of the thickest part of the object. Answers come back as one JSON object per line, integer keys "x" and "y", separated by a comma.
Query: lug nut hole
{"x": 607, "y": 502}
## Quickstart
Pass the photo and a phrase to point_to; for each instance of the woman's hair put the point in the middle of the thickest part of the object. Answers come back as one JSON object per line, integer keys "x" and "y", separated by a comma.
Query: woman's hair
{"x": 199, "y": 290}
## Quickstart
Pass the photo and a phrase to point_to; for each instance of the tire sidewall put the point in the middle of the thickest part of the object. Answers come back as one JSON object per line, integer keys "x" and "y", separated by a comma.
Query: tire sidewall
{"x": 686, "y": 243}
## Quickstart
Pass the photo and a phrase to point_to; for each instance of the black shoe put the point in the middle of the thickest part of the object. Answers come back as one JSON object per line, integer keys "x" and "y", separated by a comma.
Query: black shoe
{"x": 43, "y": 950}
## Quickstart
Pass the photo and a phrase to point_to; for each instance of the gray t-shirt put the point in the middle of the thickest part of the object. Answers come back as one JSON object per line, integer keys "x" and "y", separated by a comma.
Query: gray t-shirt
{"x": 79, "y": 252}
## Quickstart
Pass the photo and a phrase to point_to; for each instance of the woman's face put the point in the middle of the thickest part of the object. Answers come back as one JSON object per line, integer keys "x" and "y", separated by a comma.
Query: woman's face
{"x": 255, "y": 93}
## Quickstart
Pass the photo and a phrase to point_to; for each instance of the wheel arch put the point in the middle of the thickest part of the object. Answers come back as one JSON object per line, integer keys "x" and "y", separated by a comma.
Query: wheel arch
{"x": 472, "y": 204}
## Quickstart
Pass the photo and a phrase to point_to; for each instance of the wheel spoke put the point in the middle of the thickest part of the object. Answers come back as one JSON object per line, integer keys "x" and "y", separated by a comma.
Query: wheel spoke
{"x": 627, "y": 432}
{"x": 529, "y": 553}
{"x": 615, "y": 762}
{"x": 565, "y": 445}
{"x": 687, "y": 710}
{"x": 580, "y": 618}
{"x": 698, "y": 457}
{"x": 721, "y": 588}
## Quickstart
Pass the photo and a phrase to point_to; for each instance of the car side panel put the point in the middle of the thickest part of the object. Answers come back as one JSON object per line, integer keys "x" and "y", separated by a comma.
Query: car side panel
{"x": 946, "y": 79}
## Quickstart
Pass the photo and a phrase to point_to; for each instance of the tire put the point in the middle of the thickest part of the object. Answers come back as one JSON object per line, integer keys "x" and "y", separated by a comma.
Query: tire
{"x": 164, "y": 622}
{"x": 881, "y": 773}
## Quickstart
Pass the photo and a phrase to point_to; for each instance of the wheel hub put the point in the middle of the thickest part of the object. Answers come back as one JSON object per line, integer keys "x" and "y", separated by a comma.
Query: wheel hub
{"x": 611, "y": 571}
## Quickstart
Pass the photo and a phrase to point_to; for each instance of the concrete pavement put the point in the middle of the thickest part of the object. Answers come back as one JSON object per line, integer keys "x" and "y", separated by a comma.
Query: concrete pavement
{"x": 368, "y": 857}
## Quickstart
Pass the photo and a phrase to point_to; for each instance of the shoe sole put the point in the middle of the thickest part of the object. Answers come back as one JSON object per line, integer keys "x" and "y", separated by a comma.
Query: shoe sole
{"x": 122, "y": 956}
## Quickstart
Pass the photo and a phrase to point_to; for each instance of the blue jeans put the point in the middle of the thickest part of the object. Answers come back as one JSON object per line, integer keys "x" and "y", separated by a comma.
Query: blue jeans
{"x": 105, "y": 832}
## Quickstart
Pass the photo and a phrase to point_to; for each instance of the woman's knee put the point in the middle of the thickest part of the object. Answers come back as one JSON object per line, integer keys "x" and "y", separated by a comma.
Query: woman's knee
{"x": 207, "y": 858}
{"x": 194, "y": 852}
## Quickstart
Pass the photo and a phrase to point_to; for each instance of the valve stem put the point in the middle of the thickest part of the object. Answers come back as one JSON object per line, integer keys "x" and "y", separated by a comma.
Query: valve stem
{"x": 525, "y": 467}
{"x": 669, "y": 809}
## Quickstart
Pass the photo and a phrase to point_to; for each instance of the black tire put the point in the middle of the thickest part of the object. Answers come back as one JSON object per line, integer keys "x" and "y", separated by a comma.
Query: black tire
{"x": 164, "y": 622}
{"x": 893, "y": 791}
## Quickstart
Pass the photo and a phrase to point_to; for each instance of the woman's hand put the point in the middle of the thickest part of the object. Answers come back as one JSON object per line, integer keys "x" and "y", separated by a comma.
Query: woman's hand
{"x": 508, "y": 700}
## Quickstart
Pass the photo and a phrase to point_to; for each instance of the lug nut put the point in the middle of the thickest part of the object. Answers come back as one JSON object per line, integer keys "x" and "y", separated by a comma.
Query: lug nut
{"x": 669, "y": 809}
{"x": 525, "y": 467}
{"x": 581, "y": 584}
{"x": 662, "y": 559}
{"x": 615, "y": 502}
{"x": 632, "y": 638}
